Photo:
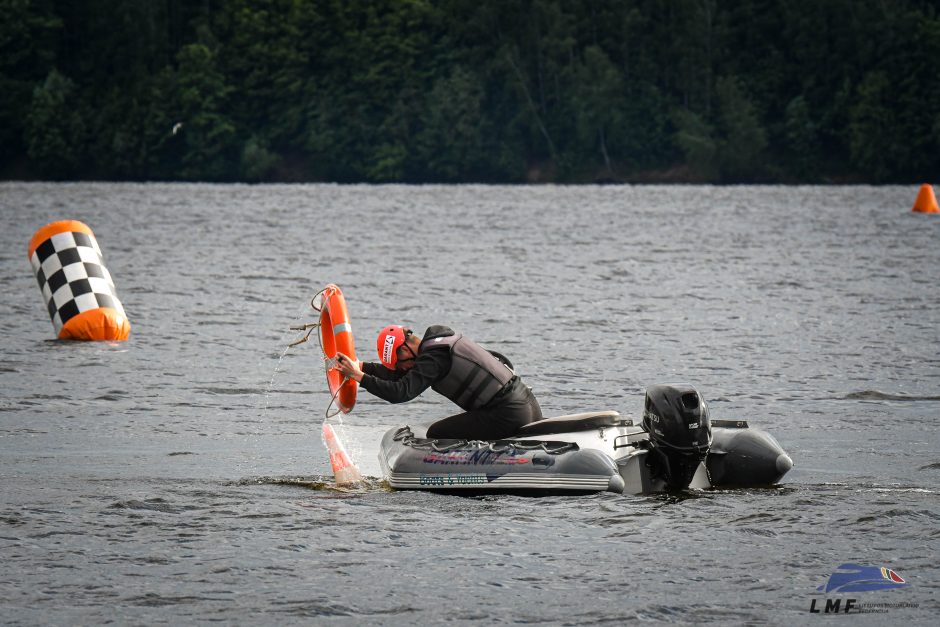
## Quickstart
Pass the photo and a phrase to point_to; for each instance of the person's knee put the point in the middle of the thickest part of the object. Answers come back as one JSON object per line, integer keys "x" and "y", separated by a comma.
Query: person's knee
{"x": 450, "y": 427}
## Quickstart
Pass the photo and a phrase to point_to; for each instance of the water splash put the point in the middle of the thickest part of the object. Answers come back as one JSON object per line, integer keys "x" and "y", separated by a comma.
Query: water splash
{"x": 319, "y": 483}
{"x": 286, "y": 347}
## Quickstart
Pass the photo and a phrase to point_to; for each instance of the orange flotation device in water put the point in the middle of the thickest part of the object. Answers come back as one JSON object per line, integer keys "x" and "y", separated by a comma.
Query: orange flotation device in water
{"x": 336, "y": 336}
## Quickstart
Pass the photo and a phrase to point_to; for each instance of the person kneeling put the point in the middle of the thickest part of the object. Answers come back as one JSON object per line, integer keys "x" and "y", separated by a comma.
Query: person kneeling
{"x": 495, "y": 401}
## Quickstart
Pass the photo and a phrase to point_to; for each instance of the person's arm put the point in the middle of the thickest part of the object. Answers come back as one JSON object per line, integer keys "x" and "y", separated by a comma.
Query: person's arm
{"x": 355, "y": 370}
{"x": 379, "y": 371}
{"x": 428, "y": 368}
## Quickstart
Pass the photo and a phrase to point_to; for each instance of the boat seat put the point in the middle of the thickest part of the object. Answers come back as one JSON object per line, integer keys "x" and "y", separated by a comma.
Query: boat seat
{"x": 571, "y": 422}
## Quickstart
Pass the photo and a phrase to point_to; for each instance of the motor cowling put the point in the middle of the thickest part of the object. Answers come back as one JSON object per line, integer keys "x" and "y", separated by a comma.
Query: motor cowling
{"x": 680, "y": 433}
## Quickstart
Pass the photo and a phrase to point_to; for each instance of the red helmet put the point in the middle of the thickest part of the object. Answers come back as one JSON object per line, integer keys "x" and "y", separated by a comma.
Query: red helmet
{"x": 389, "y": 340}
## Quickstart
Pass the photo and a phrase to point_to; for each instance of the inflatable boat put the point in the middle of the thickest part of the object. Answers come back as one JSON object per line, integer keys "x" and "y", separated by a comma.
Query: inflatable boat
{"x": 676, "y": 447}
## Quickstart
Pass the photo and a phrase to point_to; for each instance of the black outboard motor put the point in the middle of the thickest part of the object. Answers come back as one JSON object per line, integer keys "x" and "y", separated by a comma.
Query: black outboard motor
{"x": 680, "y": 432}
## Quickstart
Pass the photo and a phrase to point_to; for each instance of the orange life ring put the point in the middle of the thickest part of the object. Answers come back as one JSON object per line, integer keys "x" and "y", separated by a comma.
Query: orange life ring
{"x": 336, "y": 336}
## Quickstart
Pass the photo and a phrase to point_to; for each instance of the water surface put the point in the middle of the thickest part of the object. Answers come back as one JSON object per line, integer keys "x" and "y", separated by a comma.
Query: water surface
{"x": 180, "y": 476}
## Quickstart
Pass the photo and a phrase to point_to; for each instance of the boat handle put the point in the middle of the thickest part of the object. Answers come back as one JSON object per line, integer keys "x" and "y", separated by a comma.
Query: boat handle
{"x": 624, "y": 445}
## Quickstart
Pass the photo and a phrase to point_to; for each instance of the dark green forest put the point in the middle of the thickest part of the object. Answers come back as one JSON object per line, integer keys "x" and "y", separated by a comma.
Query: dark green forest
{"x": 721, "y": 91}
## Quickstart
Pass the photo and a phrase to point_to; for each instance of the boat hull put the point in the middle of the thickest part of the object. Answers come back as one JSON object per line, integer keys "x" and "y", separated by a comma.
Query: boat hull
{"x": 609, "y": 455}
{"x": 542, "y": 467}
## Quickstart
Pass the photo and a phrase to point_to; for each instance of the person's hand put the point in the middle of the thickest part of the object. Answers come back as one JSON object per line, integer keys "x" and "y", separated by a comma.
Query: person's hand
{"x": 348, "y": 367}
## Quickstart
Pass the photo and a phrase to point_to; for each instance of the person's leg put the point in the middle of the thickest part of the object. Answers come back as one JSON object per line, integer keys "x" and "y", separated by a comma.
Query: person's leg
{"x": 470, "y": 425}
{"x": 489, "y": 424}
{"x": 517, "y": 413}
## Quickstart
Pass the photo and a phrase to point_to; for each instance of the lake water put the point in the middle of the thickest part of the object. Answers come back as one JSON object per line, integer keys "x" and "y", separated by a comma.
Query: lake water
{"x": 180, "y": 476}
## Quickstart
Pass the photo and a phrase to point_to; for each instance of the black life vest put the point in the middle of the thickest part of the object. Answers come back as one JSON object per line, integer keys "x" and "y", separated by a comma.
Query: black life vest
{"x": 475, "y": 376}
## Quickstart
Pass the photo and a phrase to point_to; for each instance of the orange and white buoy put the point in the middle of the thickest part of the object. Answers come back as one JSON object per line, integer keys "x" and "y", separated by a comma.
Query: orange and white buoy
{"x": 926, "y": 200}
{"x": 344, "y": 470}
{"x": 77, "y": 287}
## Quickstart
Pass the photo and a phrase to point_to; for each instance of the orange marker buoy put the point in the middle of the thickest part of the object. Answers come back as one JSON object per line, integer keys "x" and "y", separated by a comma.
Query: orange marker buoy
{"x": 926, "y": 200}
{"x": 78, "y": 289}
{"x": 344, "y": 471}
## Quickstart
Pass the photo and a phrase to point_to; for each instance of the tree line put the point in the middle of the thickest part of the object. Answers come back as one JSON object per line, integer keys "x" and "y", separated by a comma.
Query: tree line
{"x": 720, "y": 91}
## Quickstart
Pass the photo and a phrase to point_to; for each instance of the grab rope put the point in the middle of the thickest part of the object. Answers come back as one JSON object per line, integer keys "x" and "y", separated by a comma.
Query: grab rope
{"x": 335, "y": 394}
{"x": 328, "y": 362}
{"x": 309, "y": 326}
{"x": 406, "y": 437}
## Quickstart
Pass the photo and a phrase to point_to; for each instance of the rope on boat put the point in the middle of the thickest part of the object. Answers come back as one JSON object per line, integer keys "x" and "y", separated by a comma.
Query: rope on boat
{"x": 406, "y": 437}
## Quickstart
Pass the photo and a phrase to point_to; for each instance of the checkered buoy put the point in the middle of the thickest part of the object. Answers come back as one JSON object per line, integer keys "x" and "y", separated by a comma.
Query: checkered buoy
{"x": 78, "y": 289}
